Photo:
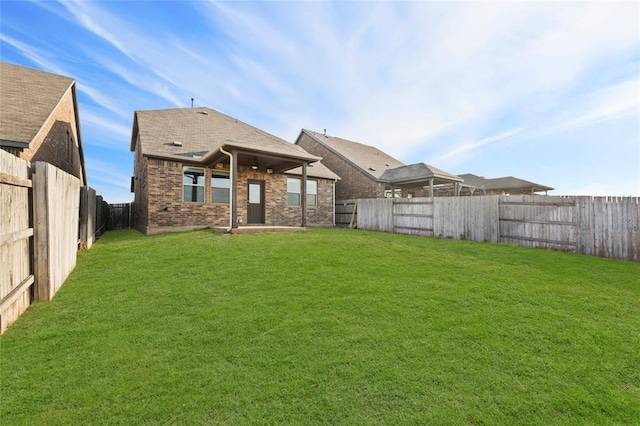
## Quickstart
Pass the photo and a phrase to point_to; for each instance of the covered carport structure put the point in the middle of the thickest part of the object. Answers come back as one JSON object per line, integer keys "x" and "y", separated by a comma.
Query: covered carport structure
{"x": 420, "y": 178}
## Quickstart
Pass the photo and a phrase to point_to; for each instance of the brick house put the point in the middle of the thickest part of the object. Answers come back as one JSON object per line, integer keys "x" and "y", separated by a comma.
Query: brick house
{"x": 367, "y": 172}
{"x": 39, "y": 118}
{"x": 196, "y": 168}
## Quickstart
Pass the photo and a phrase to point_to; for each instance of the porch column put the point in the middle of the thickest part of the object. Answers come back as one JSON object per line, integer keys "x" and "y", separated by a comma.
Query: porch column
{"x": 234, "y": 189}
{"x": 431, "y": 187}
{"x": 303, "y": 195}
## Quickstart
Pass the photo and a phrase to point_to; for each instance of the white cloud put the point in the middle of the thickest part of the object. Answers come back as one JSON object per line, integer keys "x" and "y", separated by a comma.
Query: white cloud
{"x": 424, "y": 81}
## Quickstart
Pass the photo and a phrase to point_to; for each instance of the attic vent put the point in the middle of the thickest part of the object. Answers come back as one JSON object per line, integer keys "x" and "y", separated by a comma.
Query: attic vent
{"x": 373, "y": 169}
{"x": 176, "y": 143}
{"x": 203, "y": 112}
{"x": 387, "y": 164}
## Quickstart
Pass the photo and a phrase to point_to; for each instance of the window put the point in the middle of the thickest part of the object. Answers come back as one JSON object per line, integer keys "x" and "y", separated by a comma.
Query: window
{"x": 293, "y": 192}
{"x": 312, "y": 193}
{"x": 193, "y": 184}
{"x": 397, "y": 193}
{"x": 220, "y": 187}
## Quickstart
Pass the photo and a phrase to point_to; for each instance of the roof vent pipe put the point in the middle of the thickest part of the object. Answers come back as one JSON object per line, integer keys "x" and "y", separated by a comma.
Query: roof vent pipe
{"x": 191, "y": 102}
{"x": 325, "y": 132}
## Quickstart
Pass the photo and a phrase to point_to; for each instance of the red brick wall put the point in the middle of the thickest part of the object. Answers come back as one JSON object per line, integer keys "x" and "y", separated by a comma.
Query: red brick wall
{"x": 159, "y": 207}
{"x": 140, "y": 206}
{"x": 353, "y": 183}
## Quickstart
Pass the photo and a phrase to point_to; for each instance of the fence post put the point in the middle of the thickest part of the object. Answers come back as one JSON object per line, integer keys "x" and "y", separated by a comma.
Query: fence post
{"x": 84, "y": 215}
{"x": 40, "y": 232}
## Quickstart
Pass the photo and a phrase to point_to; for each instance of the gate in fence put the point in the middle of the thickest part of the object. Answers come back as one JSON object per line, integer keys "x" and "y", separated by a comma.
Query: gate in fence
{"x": 119, "y": 216}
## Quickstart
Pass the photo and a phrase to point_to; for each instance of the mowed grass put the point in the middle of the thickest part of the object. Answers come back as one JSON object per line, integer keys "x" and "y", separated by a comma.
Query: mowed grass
{"x": 327, "y": 326}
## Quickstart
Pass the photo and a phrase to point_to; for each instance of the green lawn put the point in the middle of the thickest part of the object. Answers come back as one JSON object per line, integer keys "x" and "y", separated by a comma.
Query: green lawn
{"x": 329, "y": 326}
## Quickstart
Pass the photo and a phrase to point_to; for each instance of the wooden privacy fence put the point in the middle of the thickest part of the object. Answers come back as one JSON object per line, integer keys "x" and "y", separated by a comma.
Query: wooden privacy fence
{"x": 93, "y": 217}
{"x": 42, "y": 225}
{"x": 597, "y": 226}
{"x": 56, "y": 202}
{"x": 16, "y": 232}
{"x": 346, "y": 213}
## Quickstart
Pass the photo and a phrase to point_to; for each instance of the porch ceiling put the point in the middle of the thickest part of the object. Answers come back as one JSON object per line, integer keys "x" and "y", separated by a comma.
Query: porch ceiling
{"x": 263, "y": 160}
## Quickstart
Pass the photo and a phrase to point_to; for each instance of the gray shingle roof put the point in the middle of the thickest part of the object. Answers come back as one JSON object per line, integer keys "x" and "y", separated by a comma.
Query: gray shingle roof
{"x": 502, "y": 183}
{"x": 379, "y": 164}
{"x": 27, "y": 99}
{"x": 203, "y": 130}
{"x": 367, "y": 158}
{"x": 416, "y": 172}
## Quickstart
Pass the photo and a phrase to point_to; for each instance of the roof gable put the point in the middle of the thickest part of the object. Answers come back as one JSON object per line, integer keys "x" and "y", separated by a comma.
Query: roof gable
{"x": 367, "y": 158}
{"x": 28, "y": 97}
{"x": 192, "y": 133}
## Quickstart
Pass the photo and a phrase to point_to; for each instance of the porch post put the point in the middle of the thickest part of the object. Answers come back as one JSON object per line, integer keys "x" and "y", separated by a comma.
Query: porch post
{"x": 234, "y": 189}
{"x": 303, "y": 194}
{"x": 431, "y": 187}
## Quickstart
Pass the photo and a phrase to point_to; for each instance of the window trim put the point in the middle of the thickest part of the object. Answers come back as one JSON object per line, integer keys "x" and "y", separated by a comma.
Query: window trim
{"x": 228, "y": 187}
{"x": 297, "y": 193}
{"x": 315, "y": 198}
{"x": 192, "y": 185}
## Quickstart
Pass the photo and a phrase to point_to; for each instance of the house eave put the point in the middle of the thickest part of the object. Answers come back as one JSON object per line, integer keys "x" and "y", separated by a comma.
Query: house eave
{"x": 14, "y": 144}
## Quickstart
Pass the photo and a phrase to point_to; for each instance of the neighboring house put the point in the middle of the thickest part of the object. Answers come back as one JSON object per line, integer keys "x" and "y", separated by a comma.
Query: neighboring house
{"x": 367, "y": 172}
{"x": 479, "y": 185}
{"x": 197, "y": 168}
{"x": 39, "y": 118}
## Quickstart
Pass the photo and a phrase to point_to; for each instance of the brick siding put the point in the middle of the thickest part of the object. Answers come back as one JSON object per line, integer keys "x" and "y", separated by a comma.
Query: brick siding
{"x": 353, "y": 183}
{"x": 57, "y": 141}
{"x": 159, "y": 205}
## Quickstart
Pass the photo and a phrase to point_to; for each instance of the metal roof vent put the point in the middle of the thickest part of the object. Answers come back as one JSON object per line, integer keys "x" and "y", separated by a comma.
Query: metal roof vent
{"x": 373, "y": 169}
{"x": 203, "y": 112}
{"x": 176, "y": 143}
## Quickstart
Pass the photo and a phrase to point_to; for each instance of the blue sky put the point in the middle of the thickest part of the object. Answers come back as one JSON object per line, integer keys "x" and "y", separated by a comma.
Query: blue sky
{"x": 545, "y": 91}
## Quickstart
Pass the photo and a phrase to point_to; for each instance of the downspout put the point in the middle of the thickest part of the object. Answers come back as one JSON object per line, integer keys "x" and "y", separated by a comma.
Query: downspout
{"x": 334, "y": 203}
{"x": 231, "y": 183}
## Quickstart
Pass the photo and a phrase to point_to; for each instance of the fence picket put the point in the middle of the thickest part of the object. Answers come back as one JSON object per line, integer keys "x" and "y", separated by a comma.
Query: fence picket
{"x": 597, "y": 226}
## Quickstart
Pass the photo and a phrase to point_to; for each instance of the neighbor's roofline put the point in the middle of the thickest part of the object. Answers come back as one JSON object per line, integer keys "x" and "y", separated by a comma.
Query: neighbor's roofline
{"x": 312, "y": 134}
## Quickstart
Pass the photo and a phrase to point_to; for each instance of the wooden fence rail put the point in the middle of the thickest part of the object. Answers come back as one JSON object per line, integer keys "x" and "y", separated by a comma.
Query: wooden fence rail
{"x": 56, "y": 199}
{"x": 16, "y": 238}
{"x": 597, "y": 226}
{"x": 45, "y": 218}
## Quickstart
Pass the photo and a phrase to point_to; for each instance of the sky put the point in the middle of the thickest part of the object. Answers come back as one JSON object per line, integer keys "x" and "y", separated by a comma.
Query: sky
{"x": 544, "y": 91}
